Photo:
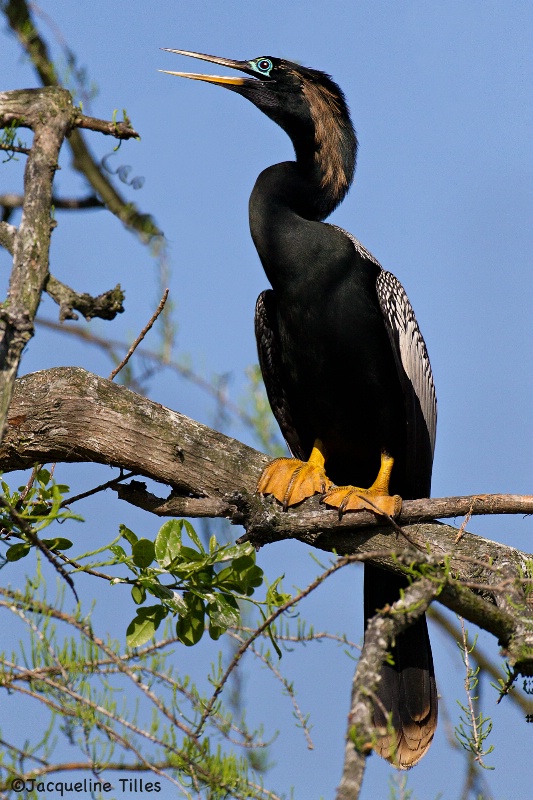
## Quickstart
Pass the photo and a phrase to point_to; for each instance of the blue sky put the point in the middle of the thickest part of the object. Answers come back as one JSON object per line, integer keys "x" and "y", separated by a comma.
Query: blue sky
{"x": 440, "y": 95}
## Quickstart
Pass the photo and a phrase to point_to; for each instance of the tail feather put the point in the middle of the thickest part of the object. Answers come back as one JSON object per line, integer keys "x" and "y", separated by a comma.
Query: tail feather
{"x": 407, "y": 690}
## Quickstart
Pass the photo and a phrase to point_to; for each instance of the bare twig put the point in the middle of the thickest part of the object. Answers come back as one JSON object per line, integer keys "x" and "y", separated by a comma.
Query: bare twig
{"x": 120, "y": 130}
{"x": 464, "y": 523}
{"x": 101, "y": 488}
{"x": 13, "y": 148}
{"x": 141, "y": 336}
{"x": 288, "y": 688}
{"x": 62, "y": 203}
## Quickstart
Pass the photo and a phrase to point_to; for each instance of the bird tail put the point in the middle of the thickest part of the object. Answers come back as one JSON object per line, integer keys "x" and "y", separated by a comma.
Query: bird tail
{"x": 407, "y": 692}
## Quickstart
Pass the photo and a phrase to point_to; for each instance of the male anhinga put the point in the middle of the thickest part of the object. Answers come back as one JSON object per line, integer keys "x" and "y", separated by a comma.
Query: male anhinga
{"x": 344, "y": 363}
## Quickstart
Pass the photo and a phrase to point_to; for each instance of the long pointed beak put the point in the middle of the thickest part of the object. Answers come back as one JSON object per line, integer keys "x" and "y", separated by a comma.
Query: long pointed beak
{"x": 225, "y": 80}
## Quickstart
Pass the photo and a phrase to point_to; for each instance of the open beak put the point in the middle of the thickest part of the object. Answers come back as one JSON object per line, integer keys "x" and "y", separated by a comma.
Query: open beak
{"x": 228, "y": 81}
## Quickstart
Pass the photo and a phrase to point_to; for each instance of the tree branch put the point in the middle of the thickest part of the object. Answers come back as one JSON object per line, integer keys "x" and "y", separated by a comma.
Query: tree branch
{"x": 50, "y": 115}
{"x": 13, "y": 201}
{"x": 20, "y": 19}
{"x": 48, "y": 112}
{"x": 379, "y": 634}
{"x": 105, "y": 306}
{"x": 67, "y": 414}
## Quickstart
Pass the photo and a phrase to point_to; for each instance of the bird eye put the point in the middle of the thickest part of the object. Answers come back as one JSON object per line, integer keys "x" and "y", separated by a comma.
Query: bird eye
{"x": 263, "y": 65}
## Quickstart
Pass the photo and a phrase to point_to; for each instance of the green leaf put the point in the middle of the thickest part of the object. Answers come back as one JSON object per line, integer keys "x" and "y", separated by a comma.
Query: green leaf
{"x": 235, "y": 551}
{"x": 118, "y": 551}
{"x": 57, "y": 544}
{"x": 274, "y": 597}
{"x": 17, "y": 551}
{"x": 143, "y": 552}
{"x": 224, "y": 611}
{"x": 191, "y": 563}
{"x": 190, "y": 627}
{"x": 204, "y": 577}
{"x": 138, "y": 593}
{"x": 192, "y": 535}
{"x": 144, "y": 625}
{"x": 43, "y": 476}
{"x": 177, "y": 604}
{"x": 128, "y": 535}
{"x": 242, "y": 576}
{"x": 160, "y": 591}
{"x": 188, "y": 553}
{"x": 168, "y": 543}
{"x": 214, "y": 632}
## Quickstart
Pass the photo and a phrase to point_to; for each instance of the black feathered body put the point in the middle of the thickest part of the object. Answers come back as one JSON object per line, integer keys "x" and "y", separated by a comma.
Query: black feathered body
{"x": 344, "y": 361}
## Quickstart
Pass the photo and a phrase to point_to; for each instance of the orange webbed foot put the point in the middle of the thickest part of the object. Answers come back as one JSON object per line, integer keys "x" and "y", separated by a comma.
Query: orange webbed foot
{"x": 376, "y": 499}
{"x": 352, "y": 498}
{"x": 291, "y": 480}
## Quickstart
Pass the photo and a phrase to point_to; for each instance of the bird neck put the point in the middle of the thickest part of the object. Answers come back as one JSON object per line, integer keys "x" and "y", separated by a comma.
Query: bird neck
{"x": 285, "y": 224}
{"x": 289, "y": 200}
{"x": 325, "y": 151}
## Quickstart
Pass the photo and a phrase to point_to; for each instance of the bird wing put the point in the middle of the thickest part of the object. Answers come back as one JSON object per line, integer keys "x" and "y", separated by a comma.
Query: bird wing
{"x": 267, "y": 336}
{"x": 414, "y": 371}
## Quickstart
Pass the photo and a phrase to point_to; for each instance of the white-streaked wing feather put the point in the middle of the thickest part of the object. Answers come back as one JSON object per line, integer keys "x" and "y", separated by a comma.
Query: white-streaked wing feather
{"x": 401, "y": 320}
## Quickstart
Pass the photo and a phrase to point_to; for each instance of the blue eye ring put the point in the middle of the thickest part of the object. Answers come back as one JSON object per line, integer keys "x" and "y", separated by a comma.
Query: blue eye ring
{"x": 262, "y": 65}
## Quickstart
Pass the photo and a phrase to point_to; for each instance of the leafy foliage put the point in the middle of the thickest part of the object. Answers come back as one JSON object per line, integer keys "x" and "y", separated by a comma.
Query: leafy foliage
{"x": 473, "y": 728}
{"x": 30, "y": 509}
{"x": 205, "y": 585}
{"x": 82, "y": 677}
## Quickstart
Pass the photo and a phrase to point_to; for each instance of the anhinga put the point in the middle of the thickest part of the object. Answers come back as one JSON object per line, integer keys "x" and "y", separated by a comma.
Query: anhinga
{"x": 344, "y": 363}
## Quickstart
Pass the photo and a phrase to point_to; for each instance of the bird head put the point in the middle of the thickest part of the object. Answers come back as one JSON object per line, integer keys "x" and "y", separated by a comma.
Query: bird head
{"x": 306, "y": 103}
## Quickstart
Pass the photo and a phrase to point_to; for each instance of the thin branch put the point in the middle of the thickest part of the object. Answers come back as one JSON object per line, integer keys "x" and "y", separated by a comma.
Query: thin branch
{"x": 59, "y": 203}
{"x": 13, "y": 148}
{"x": 120, "y": 130}
{"x": 287, "y": 685}
{"x": 141, "y": 336}
{"x": 101, "y": 488}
